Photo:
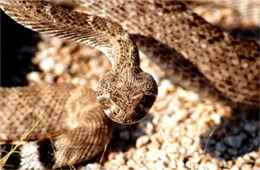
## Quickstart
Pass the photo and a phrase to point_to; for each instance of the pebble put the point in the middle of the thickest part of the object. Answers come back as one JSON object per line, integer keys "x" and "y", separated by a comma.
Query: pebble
{"x": 49, "y": 78}
{"x": 160, "y": 165}
{"x": 120, "y": 159}
{"x": 257, "y": 162}
{"x": 131, "y": 163}
{"x": 246, "y": 167}
{"x": 59, "y": 68}
{"x": 180, "y": 164}
{"x": 165, "y": 85}
{"x": 234, "y": 168}
{"x": 254, "y": 154}
{"x": 220, "y": 147}
{"x": 150, "y": 165}
{"x": 34, "y": 77}
{"x": 250, "y": 127}
{"x": 150, "y": 155}
{"x": 161, "y": 105}
{"x": 141, "y": 141}
{"x": 143, "y": 168}
{"x": 112, "y": 155}
{"x": 47, "y": 64}
{"x": 233, "y": 152}
{"x": 216, "y": 118}
{"x": 256, "y": 142}
{"x": 185, "y": 141}
{"x": 182, "y": 151}
{"x": 235, "y": 141}
{"x": 91, "y": 166}
{"x": 149, "y": 129}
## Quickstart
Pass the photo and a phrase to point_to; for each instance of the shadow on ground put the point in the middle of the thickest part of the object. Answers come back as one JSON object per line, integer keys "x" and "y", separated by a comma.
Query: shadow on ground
{"x": 233, "y": 137}
{"x": 18, "y": 46}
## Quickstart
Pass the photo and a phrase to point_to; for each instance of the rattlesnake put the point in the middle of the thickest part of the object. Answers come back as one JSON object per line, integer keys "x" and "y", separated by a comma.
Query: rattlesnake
{"x": 221, "y": 67}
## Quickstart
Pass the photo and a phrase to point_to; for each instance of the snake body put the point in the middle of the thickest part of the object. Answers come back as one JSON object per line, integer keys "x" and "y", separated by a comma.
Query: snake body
{"x": 74, "y": 122}
{"x": 71, "y": 119}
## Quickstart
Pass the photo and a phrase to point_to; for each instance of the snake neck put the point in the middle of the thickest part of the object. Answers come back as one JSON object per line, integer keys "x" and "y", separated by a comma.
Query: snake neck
{"x": 125, "y": 55}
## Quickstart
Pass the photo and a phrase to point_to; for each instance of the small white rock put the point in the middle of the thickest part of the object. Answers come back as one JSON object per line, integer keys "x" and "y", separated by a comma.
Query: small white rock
{"x": 160, "y": 165}
{"x": 141, "y": 141}
{"x": 59, "y": 68}
{"x": 91, "y": 166}
{"x": 47, "y": 64}
{"x": 34, "y": 76}
{"x": 234, "y": 168}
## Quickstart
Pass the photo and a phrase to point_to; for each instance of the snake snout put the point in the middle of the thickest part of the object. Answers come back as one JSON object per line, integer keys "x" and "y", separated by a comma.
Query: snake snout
{"x": 141, "y": 108}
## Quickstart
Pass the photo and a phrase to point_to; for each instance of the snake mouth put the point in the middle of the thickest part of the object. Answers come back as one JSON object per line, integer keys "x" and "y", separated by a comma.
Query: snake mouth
{"x": 129, "y": 115}
{"x": 125, "y": 119}
{"x": 132, "y": 116}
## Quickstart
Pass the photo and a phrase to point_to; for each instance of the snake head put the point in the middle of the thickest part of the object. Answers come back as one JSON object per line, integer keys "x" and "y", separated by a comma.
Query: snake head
{"x": 126, "y": 98}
